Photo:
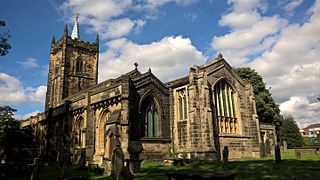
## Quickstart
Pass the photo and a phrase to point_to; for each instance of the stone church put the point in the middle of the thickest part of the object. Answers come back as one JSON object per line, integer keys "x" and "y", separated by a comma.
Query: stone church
{"x": 194, "y": 116}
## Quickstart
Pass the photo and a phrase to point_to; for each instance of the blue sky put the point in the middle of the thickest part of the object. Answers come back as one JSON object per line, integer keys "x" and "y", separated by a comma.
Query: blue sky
{"x": 279, "y": 39}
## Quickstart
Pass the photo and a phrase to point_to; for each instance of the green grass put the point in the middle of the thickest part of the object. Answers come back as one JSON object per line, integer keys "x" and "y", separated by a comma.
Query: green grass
{"x": 248, "y": 168}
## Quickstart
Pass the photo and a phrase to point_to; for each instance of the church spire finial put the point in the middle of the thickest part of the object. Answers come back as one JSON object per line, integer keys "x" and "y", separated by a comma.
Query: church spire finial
{"x": 65, "y": 32}
{"x": 53, "y": 40}
{"x": 97, "y": 39}
{"x": 75, "y": 31}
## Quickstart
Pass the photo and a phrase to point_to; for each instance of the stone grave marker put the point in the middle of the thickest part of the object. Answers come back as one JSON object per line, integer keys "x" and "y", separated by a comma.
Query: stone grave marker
{"x": 285, "y": 146}
{"x": 125, "y": 173}
{"x": 225, "y": 154}
{"x": 117, "y": 162}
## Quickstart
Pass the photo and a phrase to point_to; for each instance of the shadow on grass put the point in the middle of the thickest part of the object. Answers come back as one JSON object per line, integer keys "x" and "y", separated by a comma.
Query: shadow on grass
{"x": 248, "y": 169}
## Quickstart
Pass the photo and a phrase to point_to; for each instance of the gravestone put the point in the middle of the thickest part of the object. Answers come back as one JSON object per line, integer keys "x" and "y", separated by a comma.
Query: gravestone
{"x": 117, "y": 162}
{"x": 225, "y": 154}
{"x": 298, "y": 154}
{"x": 262, "y": 149}
{"x": 125, "y": 173}
{"x": 267, "y": 147}
{"x": 285, "y": 146}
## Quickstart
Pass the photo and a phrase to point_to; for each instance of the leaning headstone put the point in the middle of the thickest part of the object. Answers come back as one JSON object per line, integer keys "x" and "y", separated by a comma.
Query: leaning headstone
{"x": 117, "y": 162}
{"x": 225, "y": 154}
{"x": 268, "y": 147}
{"x": 125, "y": 173}
{"x": 262, "y": 150}
{"x": 285, "y": 146}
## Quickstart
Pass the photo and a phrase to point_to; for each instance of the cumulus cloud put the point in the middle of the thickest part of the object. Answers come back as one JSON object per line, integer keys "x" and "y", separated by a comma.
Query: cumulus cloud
{"x": 302, "y": 109}
{"x": 250, "y": 33}
{"x": 107, "y": 16}
{"x": 168, "y": 58}
{"x": 12, "y": 92}
{"x": 101, "y": 15}
{"x": 286, "y": 55}
{"x": 293, "y": 61}
{"x": 29, "y": 63}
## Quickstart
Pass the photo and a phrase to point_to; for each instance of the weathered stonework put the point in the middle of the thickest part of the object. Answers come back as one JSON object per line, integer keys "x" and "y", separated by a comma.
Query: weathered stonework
{"x": 191, "y": 117}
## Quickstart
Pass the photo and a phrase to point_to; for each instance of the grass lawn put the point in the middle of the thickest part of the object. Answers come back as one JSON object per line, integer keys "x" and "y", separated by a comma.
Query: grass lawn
{"x": 249, "y": 168}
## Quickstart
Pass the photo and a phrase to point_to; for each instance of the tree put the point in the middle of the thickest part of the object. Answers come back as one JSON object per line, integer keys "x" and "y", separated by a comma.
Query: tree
{"x": 289, "y": 132}
{"x": 4, "y": 36}
{"x": 7, "y": 121}
{"x": 268, "y": 111}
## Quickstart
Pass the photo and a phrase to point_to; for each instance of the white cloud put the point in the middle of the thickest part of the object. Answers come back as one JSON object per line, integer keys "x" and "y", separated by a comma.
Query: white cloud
{"x": 153, "y": 5}
{"x": 36, "y": 94}
{"x": 168, "y": 58}
{"x": 291, "y": 66}
{"x": 107, "y": 16}
{"x": 102, "y": 16}
{"x": 292, "y": 5}
{"x": 250, "y": 33}
{"x": 10, "y": 89}
{"x": 29, "y": 63}
{"x": 286, "y": 55}
{"x": 12, "y": 92}
{"x": 302, "y": 109}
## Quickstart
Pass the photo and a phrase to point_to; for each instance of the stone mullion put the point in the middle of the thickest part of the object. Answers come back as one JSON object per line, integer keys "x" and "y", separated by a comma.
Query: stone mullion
{"x": 216, "y": 98}
{"x": 222, "y": 109}
{"x": 230, "y": 110}
{"x": 230, "y": 103}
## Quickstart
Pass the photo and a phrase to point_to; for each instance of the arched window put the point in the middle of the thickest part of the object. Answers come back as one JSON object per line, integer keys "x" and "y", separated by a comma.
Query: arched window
{"x": 79, "y": 66}
{"x": 80, "y": 132}
{"x": 151, "y": 114}
{"x": 182, "y": 104}
{"x": 225, "y": 96}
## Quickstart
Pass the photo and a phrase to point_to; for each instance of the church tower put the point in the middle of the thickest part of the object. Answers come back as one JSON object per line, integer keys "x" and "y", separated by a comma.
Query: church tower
{"x": 73, "y": 66}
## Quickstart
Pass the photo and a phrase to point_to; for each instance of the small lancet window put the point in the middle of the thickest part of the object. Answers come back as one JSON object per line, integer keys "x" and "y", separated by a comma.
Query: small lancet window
{"x": 80, "y": 132}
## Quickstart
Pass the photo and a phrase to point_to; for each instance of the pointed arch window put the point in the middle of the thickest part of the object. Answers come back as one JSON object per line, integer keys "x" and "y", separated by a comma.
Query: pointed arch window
{"x": 182, "y": 109}
{"x": 80, "y": 132}
{"x": 225, "y": 104}
{"x": 151, "y": 118}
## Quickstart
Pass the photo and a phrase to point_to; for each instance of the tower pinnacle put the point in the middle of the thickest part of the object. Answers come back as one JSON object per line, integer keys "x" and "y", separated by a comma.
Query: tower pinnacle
{"x": 75, "y": 31}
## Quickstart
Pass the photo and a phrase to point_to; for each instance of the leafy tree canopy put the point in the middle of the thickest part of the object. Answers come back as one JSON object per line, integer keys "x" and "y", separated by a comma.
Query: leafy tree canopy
{"x": 6, "y": 118}
{"x": 268, "y": 111}
{"x": 4, "y": 36}
{"x": 289, "y": 132}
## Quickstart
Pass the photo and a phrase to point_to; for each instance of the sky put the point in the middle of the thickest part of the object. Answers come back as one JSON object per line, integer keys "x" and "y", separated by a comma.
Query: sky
{"x": 280, "y": 39}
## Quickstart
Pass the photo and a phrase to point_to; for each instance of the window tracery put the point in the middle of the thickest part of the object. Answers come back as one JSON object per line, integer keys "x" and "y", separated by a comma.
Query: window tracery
{"x": 181, "y": 100}
{"x": 225, "y": 96}
{"x": 152, "y": 118}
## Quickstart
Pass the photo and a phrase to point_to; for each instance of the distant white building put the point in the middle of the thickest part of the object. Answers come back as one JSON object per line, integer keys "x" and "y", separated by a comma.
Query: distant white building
{"x": 311, "y": 130}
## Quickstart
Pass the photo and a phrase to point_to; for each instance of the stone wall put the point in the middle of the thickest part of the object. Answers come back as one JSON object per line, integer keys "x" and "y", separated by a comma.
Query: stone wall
{"x": 199, "y": 135}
